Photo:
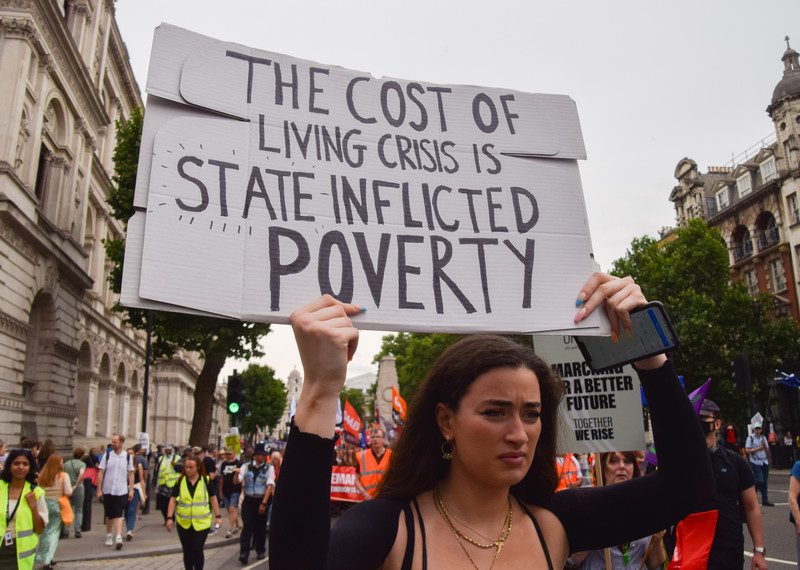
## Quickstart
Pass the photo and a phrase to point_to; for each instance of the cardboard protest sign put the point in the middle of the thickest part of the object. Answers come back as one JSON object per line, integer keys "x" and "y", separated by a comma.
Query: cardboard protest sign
{"x": 601, "y": 411}
{"x": 266, "y": 180}
{"x": 343, "y": 484}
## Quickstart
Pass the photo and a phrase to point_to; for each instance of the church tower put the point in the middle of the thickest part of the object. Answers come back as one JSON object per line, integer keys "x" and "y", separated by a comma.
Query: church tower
{"x": 784, "y": 110}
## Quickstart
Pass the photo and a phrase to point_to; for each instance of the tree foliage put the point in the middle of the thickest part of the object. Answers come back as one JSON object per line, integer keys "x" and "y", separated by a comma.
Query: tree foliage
{"x": 414, "y": 354}
{"x": 213, "y": 338}
{"x": 264, "y": 398}
{"x": 715, "y": 320}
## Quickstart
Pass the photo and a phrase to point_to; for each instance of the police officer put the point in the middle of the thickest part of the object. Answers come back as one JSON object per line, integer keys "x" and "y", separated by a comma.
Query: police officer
{"x": 257, "y": 478}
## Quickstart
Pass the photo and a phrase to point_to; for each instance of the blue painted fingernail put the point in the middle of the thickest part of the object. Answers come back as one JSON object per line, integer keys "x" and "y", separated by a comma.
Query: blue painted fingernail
{"x": 581, "y": 299}
{"x": 363, "y": 309}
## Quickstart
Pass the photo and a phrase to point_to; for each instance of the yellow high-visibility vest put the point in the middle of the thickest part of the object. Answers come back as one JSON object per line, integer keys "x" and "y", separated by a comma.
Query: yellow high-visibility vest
{"x": 166, "y": 471}
{"x": 193, "y": 511}
{"x": 24, "y": 536}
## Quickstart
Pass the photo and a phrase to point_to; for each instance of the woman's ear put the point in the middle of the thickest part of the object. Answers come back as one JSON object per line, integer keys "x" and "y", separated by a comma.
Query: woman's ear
{"x": 444, "y": 419}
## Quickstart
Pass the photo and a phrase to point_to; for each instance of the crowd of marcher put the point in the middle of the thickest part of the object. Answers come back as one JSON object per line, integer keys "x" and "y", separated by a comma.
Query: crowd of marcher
{"x": 45, "y": 499}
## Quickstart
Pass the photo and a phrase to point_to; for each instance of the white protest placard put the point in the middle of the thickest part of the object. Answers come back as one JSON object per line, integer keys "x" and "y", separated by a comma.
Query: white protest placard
{"x": 144, "y": 439}
{"x": 438, "y": 208}
{"x": 601, "y": 411}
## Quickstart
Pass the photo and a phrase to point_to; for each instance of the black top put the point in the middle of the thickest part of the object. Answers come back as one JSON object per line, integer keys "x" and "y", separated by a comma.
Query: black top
{"x": 212, "y": 488}
{"x": 226, "y": 468}
{"x": 301, "y": 536}
{"x": 733, "y": 475}
{"x": 210, "y": 465}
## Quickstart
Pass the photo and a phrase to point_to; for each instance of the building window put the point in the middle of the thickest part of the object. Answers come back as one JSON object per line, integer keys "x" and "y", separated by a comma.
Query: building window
{"x": 751, "y": 281}
{"x": 768, "y": 170}
{"x": 743, "y": 185}
{"x": 722, "y": 199}
{"x": 778, "y": 276}
{"x": 794, "y": 211}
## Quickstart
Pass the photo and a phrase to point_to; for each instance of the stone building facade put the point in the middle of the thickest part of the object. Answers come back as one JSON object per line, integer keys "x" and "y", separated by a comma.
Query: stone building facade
{"x": 70, "y": 369}
{"x": 753, "y": 201}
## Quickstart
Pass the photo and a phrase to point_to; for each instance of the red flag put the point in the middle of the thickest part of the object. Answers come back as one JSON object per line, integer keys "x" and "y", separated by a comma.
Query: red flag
{"x": 350, "y": 420}
{"x": 398, "y": 407}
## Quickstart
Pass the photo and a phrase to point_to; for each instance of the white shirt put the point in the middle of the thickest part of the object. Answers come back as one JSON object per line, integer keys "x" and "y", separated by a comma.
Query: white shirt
{"x": 757, "y": 457}
{"x": 41, "y": 507}
{"x": 115, "y": 474}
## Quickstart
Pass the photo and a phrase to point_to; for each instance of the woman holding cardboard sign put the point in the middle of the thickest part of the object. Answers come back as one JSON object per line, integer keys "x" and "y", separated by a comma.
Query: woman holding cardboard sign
{"x": 443, "y": 503}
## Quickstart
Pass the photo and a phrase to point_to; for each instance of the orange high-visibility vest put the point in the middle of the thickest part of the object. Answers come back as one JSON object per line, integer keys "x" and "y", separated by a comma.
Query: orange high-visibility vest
{"x": 568, "y": 472}
{"x": 372, "y": 471}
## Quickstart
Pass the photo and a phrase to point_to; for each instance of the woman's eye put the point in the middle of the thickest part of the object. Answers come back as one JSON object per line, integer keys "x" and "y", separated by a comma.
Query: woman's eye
{"x": 532, "y": 416}
{"x": 492, "y": 413}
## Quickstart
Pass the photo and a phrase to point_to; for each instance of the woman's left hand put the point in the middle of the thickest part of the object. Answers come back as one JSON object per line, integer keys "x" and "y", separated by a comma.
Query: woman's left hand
{"x": 620, "y": 295}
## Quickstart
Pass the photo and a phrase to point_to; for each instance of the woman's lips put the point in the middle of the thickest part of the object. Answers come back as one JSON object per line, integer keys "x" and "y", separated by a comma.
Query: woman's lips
{"x": 513, "y": 458}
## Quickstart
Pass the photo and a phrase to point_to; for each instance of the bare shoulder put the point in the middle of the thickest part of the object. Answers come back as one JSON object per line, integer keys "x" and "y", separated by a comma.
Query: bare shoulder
{"x": 554, "y": 534}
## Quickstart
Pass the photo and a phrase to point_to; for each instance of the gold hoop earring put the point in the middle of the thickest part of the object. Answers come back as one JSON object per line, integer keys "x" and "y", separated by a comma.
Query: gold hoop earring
{"x": 448, "y": 448}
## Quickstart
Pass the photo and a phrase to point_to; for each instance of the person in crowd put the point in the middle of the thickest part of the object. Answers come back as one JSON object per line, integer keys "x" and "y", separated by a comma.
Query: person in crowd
{"x": 75, "y": 468}
{"x": 729, "y": 438}
{"x": 374, "y": 462}
{"x": 257, "y": 478}
{"x": 247, "y": 453}
{"x": 193, "y": 501}
{"x": 476, "y": 453}
{"x": 230, "y": 490}
{"x": 23, "y": 511}
{"x": 55, "y": 484}
{"x": 142, "y": 458}
{"x": 89, "y": 487}
{"x": 735, "y": 496}
{"x": 167, "y": 477}
{"x": 3, "y": 454}
{"x": 647, "y": 552}
{"x": 139, "y": 478}
{"x": 794, "y": 507}
{"x": 115, "y": 488}
{"x": 569, "y": 472}
{"x": 756, "y": 450}
{"x": 787, "y": 449}
{"x": 47, "y": 449}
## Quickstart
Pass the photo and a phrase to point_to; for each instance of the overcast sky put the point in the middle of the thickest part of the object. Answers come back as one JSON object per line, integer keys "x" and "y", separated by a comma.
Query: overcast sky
{"x": 653, "y": 82}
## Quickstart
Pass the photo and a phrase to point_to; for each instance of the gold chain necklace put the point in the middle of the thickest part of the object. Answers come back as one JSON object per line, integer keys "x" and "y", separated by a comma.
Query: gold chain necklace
{"x": 498, "y": 544}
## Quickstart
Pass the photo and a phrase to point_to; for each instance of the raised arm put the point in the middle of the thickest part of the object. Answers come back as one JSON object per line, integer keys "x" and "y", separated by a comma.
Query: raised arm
{"x": 300, "y": 527}
{"x": 594, "y": 518}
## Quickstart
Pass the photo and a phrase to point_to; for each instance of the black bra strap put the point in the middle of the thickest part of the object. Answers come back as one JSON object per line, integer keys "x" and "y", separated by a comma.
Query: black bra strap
{"x": 408, "y": 556}
{"x": 422, "y": 532}
{"x": 538, "y": 532}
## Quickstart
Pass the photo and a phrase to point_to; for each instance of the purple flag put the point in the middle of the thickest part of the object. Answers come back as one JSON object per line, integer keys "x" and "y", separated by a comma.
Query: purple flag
{"x": 698, "y": 396}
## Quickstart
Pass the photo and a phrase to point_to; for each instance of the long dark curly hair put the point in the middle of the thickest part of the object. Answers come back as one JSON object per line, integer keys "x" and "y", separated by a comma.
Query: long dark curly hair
{"x": 417, "y": 464}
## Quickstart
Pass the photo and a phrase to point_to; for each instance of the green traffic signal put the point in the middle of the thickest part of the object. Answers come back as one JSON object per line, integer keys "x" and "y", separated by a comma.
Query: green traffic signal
{"x": 233, "y": 407}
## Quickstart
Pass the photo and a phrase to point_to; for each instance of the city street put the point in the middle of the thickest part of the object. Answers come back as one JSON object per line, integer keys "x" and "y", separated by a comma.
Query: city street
{"x": 778, "y": 533}
{"x": 152, "y": 547}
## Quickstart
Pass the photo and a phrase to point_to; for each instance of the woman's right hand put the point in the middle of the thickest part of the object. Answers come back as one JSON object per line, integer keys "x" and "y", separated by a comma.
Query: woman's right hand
{"x": 327, "y": 340}
{"x": 30, "y": 498}
{"x": 170, "y": 524}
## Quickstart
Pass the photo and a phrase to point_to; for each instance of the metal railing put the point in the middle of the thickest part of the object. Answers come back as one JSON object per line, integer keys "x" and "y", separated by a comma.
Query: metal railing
{"x": 743, "y": 250}
{"x": 768, "y": 238}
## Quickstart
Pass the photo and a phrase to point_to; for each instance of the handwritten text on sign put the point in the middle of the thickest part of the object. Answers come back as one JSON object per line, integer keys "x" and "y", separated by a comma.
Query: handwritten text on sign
{"x": 411, "y": 198}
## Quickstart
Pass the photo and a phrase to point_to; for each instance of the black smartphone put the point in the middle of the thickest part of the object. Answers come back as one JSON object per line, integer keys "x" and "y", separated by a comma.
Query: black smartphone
{"x": 653, "y": 334}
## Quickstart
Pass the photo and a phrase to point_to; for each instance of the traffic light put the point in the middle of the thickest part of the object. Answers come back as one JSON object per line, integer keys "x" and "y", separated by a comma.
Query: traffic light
{"x": 234, "y": 393}
{"x": 741, "y": 374}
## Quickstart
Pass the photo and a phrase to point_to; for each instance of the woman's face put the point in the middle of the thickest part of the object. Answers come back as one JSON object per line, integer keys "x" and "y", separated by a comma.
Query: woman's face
{"x": 497, "y": 426}
{"x": 618, "y": 469}
{"x": 190, "y": 468}
{"x": 20, "y": 467}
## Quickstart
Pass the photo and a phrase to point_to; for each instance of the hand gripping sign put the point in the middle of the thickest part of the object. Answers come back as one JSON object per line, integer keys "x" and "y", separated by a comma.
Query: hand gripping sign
{"x": 265, "y": 180}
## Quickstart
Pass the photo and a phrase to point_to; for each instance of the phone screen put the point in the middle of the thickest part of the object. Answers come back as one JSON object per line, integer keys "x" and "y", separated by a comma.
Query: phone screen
{"x": 652, "y": 334}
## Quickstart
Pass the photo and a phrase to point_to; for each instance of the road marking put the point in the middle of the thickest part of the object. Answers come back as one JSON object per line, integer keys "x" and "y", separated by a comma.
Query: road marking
{"x": 259, "y": 562}
{"x": 776, "y": 560}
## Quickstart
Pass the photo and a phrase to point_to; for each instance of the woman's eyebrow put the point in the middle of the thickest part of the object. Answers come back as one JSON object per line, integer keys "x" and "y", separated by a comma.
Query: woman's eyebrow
{"x": 509, "y": 403}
